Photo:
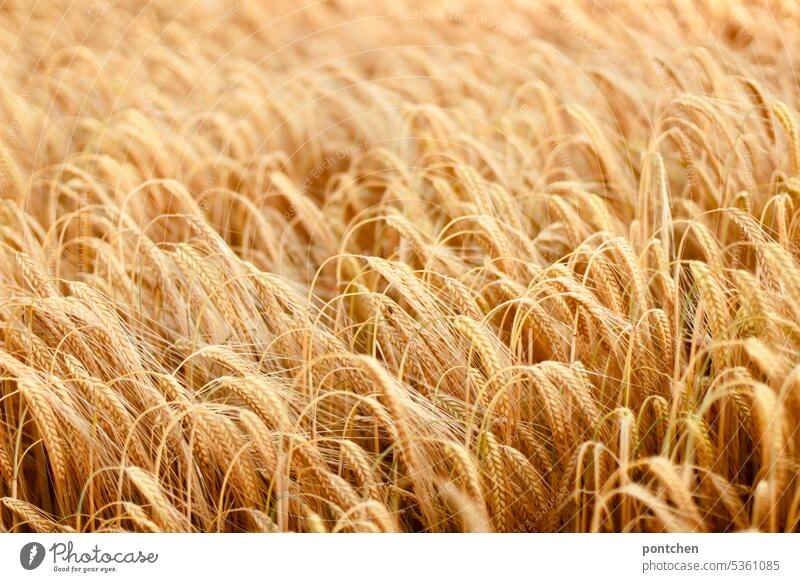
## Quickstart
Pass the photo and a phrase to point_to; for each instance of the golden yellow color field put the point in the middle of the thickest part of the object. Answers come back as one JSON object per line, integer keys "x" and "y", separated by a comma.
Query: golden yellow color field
{"x": 383, "y": 266}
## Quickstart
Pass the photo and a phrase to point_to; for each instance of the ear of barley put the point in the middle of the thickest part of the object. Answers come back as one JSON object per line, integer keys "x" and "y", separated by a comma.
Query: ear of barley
{"x": 786, "y": 119}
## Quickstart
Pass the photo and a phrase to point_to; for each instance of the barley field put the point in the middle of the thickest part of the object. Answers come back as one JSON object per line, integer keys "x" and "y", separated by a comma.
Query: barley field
{"x": 380, "y": 266}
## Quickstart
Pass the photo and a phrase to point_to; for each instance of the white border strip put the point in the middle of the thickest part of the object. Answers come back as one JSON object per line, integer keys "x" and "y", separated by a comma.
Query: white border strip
{"x": 402, "y": 558}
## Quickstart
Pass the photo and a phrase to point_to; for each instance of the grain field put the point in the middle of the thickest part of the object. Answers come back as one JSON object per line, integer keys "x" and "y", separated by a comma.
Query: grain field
{"x": 382, "y": 266}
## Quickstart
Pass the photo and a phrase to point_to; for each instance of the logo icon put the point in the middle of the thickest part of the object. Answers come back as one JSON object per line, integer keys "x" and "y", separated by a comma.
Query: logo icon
{"x": 31, "y": 555}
